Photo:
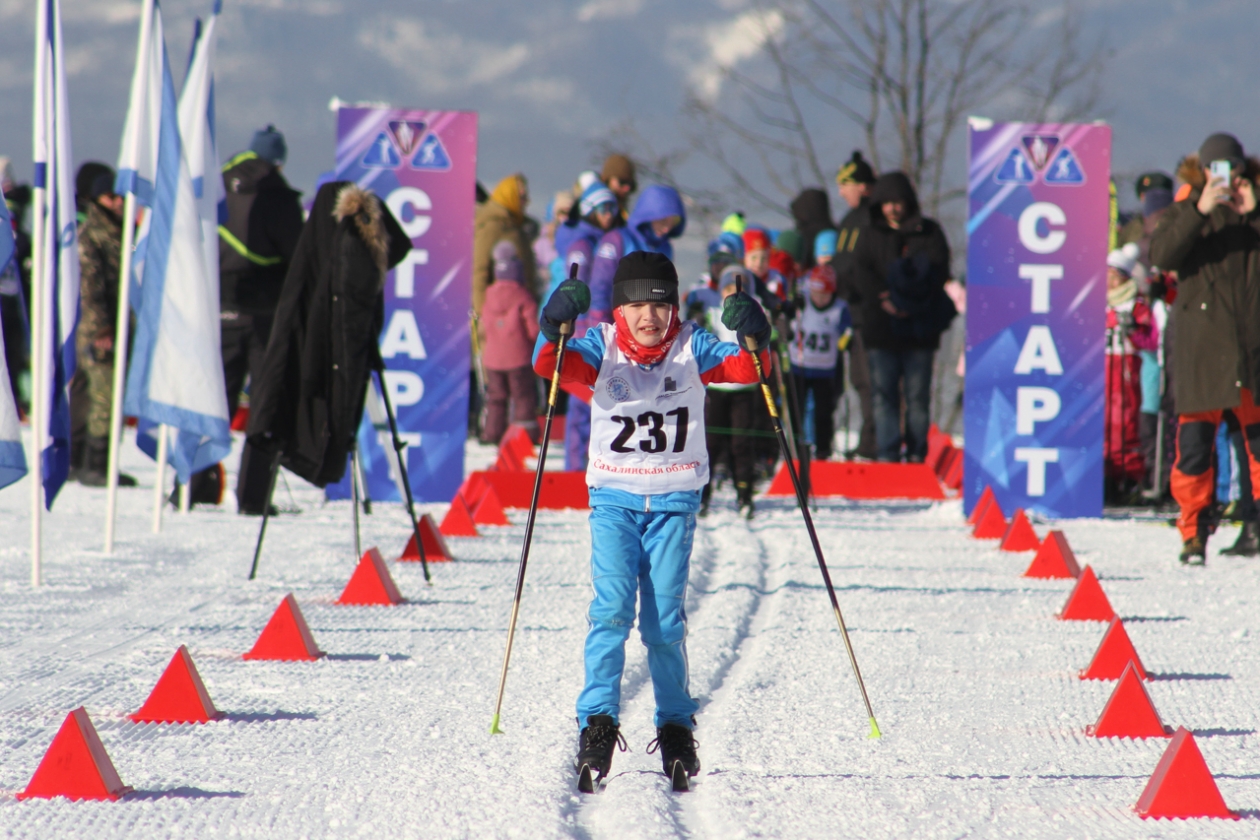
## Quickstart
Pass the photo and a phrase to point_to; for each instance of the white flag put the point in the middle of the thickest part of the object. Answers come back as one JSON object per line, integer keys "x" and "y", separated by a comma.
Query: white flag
{"x": 176, "y": 373}
{"x": 56, "y": 296}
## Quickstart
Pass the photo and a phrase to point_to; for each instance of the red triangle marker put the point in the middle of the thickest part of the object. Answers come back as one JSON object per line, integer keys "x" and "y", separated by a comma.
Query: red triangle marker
{"x": 952, "y": 476}
{"x": 371, "y": 584}
{"x": 458, "y": 521}
{"x": 490, "y": 510}
{"x": 982, "y": 504}
{"x": 1129, "y": 713}
{"x": 76, "y": 765}
{"x": 1020, "y": 535}
{"x": 517, "y": 439}
{"x": 509, "y": 461}
{"x": 1087, "y": 602}
{"x": 1182, "y": 786}
{"x": 1113, "y": 654}
{"x": 435, "y": 550}
{"x": 1054, "y": 559}
{"x": 472, "y": 489}
{"x": 991, "y": 525}
{"x": 179, "y": 696}
{"x": 286, "y": 638}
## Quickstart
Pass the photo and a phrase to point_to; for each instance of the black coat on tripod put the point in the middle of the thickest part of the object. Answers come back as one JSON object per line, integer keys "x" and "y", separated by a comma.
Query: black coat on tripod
{"x": 307, "y": 402}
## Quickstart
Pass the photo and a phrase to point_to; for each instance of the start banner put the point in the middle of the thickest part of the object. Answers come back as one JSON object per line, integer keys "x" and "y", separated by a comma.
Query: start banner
{"x": 423, "y": 164}
{"x": 1037, "y": 224}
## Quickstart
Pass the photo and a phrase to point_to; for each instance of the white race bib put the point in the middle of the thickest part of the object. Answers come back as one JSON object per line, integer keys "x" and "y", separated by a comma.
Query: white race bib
{"x": 647, "y": 426}
{"x": 814, "y": 344}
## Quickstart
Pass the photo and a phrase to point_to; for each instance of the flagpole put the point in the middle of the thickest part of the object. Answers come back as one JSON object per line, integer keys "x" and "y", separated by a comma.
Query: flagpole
{"x": 159, "y": 483}
{"x": 39, "y": 418}
{"x": 124, "y": 294}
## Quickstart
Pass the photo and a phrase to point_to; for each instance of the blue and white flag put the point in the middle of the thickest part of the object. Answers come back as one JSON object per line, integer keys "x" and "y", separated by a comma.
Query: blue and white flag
{"x": 176, "y": 373}
{"x": 56, "y": 295}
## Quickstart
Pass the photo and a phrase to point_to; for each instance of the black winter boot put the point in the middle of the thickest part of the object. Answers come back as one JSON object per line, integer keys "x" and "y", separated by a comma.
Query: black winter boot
{"x": 595, "y": 750}
{"x": 744, "y": 492}
{"x": 1248, "y": 544}
{"x": 1194, "y": 551}
{"x": 678, "y": 753}
{"x": 96, "y": 465}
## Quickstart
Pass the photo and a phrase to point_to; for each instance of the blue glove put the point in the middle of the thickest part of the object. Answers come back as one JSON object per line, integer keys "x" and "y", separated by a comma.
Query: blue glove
{"x": 570, "y": 299}
{"x": 745, "y": 316}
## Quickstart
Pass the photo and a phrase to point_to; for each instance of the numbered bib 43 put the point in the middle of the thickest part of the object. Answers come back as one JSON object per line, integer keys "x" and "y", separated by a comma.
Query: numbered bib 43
{"x": 647, "y": 426}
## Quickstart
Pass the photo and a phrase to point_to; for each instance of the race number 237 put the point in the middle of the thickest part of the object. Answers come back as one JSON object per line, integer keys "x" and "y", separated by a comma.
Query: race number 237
{"x": 655, "y": 431}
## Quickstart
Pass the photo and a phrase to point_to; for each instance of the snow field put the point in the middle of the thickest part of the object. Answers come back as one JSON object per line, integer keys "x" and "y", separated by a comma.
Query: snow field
{"x": 972, "y": 679}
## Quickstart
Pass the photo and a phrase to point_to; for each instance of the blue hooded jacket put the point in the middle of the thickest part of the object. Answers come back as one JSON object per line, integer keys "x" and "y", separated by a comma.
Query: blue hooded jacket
{"x": 656, "y": 202}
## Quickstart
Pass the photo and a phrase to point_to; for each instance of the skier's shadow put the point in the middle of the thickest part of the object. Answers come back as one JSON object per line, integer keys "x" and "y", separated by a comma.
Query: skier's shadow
{"x": 267, "y": 717}
{"x": 182, "y": 793}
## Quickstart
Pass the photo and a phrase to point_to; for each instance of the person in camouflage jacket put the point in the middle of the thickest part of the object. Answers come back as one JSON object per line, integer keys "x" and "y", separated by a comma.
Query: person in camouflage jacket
{"x": 100, "y": 252}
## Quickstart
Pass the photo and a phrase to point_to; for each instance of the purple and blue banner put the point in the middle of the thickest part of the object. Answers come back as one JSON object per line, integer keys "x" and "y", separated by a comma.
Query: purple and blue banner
{"x": 1037, "y": 229}
{"x": 423, "y": 164}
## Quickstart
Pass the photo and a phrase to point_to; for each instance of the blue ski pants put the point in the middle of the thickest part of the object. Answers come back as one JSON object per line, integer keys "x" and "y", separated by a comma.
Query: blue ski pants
{"x": 646, "y": 554}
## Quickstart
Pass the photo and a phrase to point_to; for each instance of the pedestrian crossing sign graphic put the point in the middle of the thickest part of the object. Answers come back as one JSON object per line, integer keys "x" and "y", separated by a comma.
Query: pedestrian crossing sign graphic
{"x": 1015, "y": 169}
{"x": 431, "y": 155}
{"x": 381, "y": 154}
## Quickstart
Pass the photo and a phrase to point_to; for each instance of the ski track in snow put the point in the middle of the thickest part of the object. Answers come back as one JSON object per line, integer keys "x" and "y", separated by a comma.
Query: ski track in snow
{"x": 971, "y": 678}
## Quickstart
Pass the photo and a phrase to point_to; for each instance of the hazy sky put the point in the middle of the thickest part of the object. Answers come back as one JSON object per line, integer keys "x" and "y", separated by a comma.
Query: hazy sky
{"x": 548, "y": 77}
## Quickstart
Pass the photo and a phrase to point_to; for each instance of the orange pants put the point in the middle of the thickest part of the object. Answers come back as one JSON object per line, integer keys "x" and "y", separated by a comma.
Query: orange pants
{"x": 1194, "y": 473}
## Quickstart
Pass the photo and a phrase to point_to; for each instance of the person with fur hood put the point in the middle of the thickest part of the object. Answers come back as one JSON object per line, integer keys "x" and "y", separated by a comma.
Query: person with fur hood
{"x": 307, "y": 400}
{"x": 1211, "y": 239}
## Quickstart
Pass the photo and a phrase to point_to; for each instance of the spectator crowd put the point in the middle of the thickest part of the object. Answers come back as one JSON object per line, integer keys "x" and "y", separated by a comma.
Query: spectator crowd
{"x": 859, "y": 302}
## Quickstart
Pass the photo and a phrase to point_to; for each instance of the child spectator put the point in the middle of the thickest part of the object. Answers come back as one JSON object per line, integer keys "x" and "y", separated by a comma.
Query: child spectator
{"x": 732, "y": 412}
{"x": 821, "y": 329}
{"x": 647, "y": 465}
{"x": 757, "y": 260}
{"x": 1130, "y": 329}
{"x": 509, "y": 321}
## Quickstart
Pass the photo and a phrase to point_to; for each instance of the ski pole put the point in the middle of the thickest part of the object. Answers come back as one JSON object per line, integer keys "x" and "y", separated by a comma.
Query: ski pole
{"x": 262, "y": 530}
{"x": 399, "y": 446}
{"x": 354, "y": 486}
{"x": 565, "y": 330}
{"x": 809, "y": 526}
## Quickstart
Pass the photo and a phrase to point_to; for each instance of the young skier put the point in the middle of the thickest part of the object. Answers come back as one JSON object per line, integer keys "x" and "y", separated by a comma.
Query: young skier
{"x": 822, "y": 328}
{"x": 647, "y": 465}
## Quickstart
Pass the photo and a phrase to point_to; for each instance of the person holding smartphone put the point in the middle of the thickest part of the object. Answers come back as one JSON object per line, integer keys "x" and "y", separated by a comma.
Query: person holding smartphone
{"x": 1212, "y": 240}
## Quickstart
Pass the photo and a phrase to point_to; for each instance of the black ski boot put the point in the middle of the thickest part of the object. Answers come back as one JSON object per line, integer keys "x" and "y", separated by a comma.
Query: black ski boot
{"x": 595, "y": 751}
{"x": 744, "y": 493}
{"x": 678, "y": 754}
{"x": 1194, "y": 551}
{"x": 1248, "y": 544}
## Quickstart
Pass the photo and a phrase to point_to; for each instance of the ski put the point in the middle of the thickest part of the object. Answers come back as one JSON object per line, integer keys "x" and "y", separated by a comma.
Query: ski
{"x": 679, "y": 779}
{"x": 588, "y": 782}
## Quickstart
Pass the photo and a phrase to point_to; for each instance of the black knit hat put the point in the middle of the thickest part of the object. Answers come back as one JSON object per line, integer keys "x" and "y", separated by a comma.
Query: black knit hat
{"x": 1152, "y": 181}
{"x": 1222, "y": 146}
{"x": 856, "y": 171}
{"x": 645, "y": 276}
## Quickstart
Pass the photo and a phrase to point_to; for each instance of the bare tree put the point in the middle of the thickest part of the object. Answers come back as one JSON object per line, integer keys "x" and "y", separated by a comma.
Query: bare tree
{"x": 904, "y": 73}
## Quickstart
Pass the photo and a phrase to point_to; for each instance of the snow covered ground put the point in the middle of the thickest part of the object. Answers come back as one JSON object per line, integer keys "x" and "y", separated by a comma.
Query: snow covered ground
{"x": 973, "y": 681}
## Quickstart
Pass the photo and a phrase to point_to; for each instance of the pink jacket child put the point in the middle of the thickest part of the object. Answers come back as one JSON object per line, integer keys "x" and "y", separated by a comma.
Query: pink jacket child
{"x": 509, "y": 324}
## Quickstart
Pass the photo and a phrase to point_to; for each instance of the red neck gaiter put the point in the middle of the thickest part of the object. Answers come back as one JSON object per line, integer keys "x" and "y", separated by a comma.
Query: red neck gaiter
{"x": 645, "y": 355}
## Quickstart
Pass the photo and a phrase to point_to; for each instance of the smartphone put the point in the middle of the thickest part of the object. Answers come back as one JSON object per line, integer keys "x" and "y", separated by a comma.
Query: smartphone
{"x": 1219, "y": 170}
